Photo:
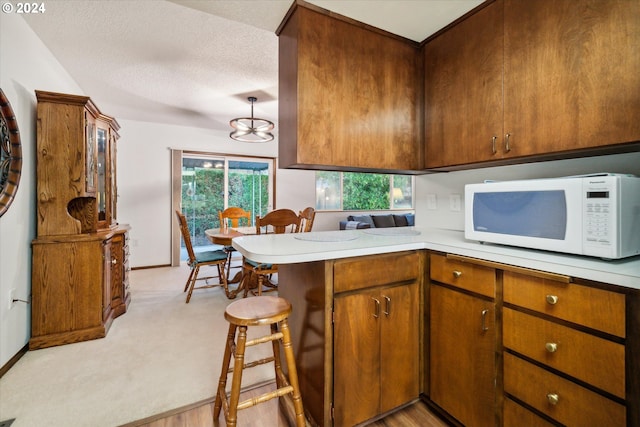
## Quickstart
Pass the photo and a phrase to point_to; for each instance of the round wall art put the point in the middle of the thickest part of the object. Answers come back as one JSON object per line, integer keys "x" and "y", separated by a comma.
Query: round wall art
{"x": 10, "y": 154}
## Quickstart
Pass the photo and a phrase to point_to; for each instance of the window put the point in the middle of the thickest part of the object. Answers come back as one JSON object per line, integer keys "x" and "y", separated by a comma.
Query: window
{"x": 363, "y": 191}
{"x": 207, "y": 183}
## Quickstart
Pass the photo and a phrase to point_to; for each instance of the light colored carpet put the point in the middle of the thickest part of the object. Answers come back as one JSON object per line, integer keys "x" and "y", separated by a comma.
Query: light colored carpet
{"x": 160, "y": 355}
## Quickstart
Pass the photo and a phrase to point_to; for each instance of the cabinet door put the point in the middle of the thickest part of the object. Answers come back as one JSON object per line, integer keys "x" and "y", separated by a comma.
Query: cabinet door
{"x": 571, "y": 74}
{"x": 462, "y": 362}
{"x": 349, "y": 96}
{"x": 103, "y": 194}
{"x": 463, "y": 91}
{"x": 399, "y": 342}
{"x": 543, "y": 51}
{"x": 106, "y": 280}
{"x": 356, "y": 360}
{"x": 117, "y": 273}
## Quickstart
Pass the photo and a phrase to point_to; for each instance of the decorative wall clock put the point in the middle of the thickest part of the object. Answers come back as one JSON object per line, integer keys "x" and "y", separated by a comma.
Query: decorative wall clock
{"x": 10, "y": 154}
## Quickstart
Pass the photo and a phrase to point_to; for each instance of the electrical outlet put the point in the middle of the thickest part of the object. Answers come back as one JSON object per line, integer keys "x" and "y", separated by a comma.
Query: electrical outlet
{"x": 454, "y": 202}
{"x": 12, "y": 296}
{"x": 432, "y": 202}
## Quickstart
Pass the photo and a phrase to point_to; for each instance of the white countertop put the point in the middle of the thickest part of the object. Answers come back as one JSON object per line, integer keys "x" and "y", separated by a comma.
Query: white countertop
{"x": 323, "y": 245}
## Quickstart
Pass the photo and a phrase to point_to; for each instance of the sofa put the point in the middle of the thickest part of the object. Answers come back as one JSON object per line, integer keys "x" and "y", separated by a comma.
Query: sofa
{"x": 377, "y": 221}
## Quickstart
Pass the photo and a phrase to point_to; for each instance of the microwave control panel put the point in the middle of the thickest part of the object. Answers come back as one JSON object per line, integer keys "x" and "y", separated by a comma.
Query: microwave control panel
{"x": 599, "y": 226}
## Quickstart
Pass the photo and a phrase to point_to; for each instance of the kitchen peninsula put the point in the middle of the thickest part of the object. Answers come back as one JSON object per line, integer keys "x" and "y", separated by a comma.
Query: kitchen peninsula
{"x": 376, "y": 317}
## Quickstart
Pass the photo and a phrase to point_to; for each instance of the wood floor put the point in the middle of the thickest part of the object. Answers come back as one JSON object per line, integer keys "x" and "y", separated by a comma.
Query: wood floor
{"x": 269, "y": 414}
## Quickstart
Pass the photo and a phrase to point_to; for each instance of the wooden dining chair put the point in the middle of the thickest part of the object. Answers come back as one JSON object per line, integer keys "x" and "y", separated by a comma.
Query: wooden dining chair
{"x": 278, "y": 221}
{"x": 200, "y": 259}
{"x": 306, "y": 219}
{"x": 233, "y": 217}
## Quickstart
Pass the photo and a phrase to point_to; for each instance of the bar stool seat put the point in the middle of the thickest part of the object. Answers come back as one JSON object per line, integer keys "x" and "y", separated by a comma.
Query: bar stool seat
{"x": 257, "y": 311}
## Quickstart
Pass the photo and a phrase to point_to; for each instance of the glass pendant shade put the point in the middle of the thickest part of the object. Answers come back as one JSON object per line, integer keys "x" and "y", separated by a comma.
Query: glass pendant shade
{"x": 251, "y": 129}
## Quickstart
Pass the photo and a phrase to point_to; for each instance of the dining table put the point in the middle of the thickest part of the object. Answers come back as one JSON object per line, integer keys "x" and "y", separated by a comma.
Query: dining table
{"x": 224, "y": 236}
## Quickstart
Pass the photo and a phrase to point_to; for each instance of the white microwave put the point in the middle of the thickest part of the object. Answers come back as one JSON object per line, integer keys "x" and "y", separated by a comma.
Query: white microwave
{"x": 595, "y": 215}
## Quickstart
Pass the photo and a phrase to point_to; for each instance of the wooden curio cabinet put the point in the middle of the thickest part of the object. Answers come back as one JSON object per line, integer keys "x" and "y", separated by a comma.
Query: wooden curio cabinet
{"x": 80, "y": 250}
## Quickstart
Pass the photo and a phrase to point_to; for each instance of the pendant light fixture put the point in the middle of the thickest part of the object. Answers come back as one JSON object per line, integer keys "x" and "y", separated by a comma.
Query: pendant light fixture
{"x": 251, "y": 129}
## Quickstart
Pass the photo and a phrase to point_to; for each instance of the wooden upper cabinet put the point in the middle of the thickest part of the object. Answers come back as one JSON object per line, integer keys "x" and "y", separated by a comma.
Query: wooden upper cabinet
{"x": 349, "y": 96}
{"x": 463, "y": 91}
{"x": 547, "y": 79}
{"x": 75, "y": 165}
{"x": 571, "y": 74}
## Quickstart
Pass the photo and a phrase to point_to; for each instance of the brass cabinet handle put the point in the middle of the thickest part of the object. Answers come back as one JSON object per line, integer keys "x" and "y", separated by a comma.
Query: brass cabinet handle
{"x": 387, "y": 310}
{"x": 552, "y": 299}
{"x": 507, "y": 145}
{"x": 457, "y": 273}
{"x": 376, "y": 312}
{"x": 553, "y": 398}
{"x": 484, "y": 319}
{"x": 551, "y": 347}
{"x": 493, "y": 144}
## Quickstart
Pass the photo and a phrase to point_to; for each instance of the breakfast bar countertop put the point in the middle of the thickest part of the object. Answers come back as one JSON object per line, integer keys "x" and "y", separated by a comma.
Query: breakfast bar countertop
{"x": 290, "y": 248}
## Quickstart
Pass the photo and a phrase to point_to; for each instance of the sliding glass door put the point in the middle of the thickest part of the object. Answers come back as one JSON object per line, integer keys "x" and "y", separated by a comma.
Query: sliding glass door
{"x": 211, "y": 183}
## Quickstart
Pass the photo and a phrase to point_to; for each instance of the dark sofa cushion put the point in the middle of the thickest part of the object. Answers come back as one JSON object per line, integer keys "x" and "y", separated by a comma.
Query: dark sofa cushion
{"x": 362, "y": 218}
{"x": 411, "y": 219}
{"x": 400, "y": 220}
{"x": 383, "y": 221}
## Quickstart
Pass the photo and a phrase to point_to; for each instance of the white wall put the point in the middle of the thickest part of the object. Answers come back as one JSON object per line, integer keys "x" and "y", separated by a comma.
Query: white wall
{"x": 25, "y": 65}
{"x": 445, "y": 184}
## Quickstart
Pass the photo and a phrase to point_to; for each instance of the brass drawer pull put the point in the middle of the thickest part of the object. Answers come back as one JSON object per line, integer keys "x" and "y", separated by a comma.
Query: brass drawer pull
{"x": 507, "y": 145}
{"x": 552, "y": 299}
{"x": 387, "y": 310}
{"x": 553, "y": 398}
{"x": 457, "y": 273}
{"x": 484, "y": 320}
{"x": 493, "y": 144}
{"x": 551, "y": 347}
{"x": 376, "y": 312}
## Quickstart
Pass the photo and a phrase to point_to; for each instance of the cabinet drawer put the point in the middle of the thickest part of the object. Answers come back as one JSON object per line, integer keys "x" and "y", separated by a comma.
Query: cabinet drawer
{"x": 517, "y": 416}
{"x": 575, "y": 406}
{"x": 595, "y": 308}
{"x": 374, "y": 270}
{"x": 464, "y": 275}
{"x": 589, "y": 358}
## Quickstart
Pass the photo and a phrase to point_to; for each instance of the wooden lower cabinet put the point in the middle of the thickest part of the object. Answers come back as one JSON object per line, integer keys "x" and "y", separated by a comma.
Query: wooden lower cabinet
{"x": 569, "y": 355}
{"x": 75, "y": 296}
{"x": 377, "y": 338}
{"x": 550, "y": 349}
{"x": 356, "y": 330}
{"x": 463, "y": 335}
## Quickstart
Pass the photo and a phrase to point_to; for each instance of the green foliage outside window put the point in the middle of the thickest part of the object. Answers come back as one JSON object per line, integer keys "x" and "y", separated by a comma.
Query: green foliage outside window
{"x": 203, "y": 197}
{"x": 363, "y": 191}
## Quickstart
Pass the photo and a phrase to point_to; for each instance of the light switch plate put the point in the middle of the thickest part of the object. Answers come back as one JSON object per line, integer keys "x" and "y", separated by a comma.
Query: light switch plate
{"x": 432, "y": 202}
{"x": 454, "y": 202}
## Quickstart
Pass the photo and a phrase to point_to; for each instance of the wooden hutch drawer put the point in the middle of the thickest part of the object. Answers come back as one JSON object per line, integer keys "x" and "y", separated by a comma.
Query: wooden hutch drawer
{"x": 515, "y": 415}
{"x": 375, "y": 270}
{"x": 591, "y": 307}
{"x": 594, "y": 360}
{"x": 464, "y": 275}
{"x": 561, "y": 399}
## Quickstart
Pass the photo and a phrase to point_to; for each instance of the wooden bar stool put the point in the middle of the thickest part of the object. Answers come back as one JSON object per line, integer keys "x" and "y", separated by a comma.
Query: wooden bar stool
{"x": 257, "y": 311}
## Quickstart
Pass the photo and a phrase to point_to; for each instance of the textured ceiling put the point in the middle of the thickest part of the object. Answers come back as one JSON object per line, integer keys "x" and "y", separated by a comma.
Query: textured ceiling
{"x": 195, "y": 62}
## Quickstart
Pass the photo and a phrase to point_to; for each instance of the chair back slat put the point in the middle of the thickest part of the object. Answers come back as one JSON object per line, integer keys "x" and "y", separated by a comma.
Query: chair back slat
{"x": 306, "y": 219}
{"x": 186, "y": 236}
{"x": 231, "y": 217}
{"x": 278, "y": 221}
